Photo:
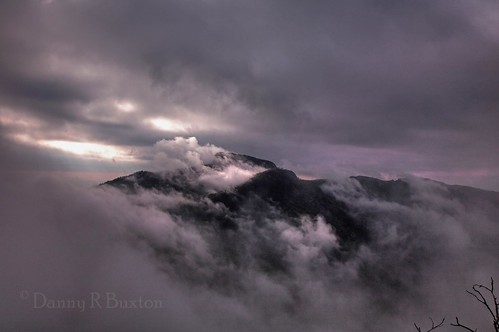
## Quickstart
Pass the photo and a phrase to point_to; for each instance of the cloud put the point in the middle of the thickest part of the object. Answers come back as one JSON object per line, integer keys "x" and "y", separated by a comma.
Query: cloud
{"x": 229, "y": 177}
{"x": 272, "y": 272}
{"x": 368, "y": 87}
{"x": 362, "y": 79}
{"x": 213, "y": 167}
{"x": 183, "y": 153}
{"x": 309, "y": 241}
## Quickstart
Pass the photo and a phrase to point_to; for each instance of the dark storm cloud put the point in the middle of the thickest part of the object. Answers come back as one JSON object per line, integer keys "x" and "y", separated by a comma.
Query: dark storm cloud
{"x": 383, "y": 75}
{"x": 27, "y": 84}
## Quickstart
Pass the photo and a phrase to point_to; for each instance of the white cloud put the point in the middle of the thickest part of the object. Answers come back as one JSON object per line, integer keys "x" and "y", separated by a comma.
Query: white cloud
{"x": 309, "y": 240}
{"x": 182, "y": 153}
{"x": 229, "y": 177}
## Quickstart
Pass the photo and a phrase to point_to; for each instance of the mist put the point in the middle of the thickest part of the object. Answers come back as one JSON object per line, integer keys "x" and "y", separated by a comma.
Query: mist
{"x": 63, "y": 241}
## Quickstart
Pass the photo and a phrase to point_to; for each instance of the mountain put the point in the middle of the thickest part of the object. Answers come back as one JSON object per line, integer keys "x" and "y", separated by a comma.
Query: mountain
{"x": 295, "y": 197}
{"x": 253, "y": 211}
{"x": 269, "y": 192}
{"x": 402, "y": 192}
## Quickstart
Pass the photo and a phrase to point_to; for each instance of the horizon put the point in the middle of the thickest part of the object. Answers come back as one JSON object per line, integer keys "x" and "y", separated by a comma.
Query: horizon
{"x": 111, "y": 170}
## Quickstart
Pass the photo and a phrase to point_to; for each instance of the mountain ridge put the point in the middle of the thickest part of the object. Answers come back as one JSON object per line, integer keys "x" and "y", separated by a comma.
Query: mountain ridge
{"x": 275, "y": 194}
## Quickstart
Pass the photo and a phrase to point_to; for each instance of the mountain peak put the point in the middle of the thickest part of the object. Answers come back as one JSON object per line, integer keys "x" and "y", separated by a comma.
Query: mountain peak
{"x": 231, "y": 157}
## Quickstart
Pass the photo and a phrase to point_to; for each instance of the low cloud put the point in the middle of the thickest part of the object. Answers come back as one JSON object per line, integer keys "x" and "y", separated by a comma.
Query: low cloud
{"x": 211, "y": 166}
{"x": 272, "y": 272}
{"x": 229, "y": 176}
{"x": 182, "y": 153}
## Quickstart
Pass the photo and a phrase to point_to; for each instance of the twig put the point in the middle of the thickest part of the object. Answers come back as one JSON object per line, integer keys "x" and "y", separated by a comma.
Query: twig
{"x": 492, "y": 308}
{"x": 462, "y": 326}
{"x": 433, "y": 326}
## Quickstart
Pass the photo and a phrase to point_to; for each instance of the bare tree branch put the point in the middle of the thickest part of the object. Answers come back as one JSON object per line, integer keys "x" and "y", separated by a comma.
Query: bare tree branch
{"x": 483, "y": 294}
{"x": 479, "y": 292}
{"x": 481, "y": 298}
{"x": 462, "y": 326}
{"x": 433, "y": 326}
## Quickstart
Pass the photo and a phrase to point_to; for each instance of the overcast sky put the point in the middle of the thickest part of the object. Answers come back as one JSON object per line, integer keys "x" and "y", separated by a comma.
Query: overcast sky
{"x": 376, "y": 87}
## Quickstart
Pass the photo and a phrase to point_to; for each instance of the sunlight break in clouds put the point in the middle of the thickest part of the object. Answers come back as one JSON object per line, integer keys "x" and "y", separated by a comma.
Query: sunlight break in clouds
{"x": 92, "y": 150}
{"x": 125, "y": 106}
{"x": 164, "y": 124}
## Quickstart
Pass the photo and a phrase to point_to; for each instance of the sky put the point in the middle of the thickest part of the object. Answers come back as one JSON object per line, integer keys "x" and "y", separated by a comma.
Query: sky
{"x": 326, "y": 88}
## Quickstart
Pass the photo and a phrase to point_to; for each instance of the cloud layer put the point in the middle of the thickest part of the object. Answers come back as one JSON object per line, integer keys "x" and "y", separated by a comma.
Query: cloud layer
{"x": 374, "y": 86}
{"x": 271, "y": 273}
